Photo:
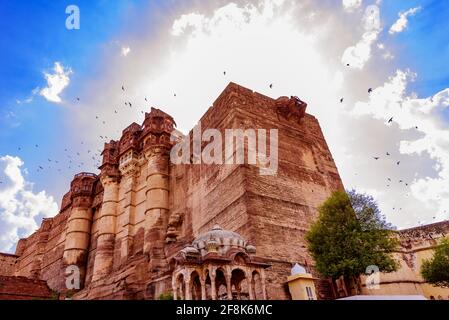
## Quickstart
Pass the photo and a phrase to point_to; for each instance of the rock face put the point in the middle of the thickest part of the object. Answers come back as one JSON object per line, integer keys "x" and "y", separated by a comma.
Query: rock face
{"x": 7, "y": 264}
{"x": 21, "y": 288}
{"x": 123, "y": 227}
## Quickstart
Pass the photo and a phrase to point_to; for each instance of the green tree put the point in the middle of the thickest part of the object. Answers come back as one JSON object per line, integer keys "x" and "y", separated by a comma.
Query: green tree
{"x": 436, "y": 269}
{"x": 349, "y": 235}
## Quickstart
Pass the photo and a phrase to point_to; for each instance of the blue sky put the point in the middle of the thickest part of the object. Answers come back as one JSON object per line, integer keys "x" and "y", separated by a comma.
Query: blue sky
{"x": 34, "y": 39}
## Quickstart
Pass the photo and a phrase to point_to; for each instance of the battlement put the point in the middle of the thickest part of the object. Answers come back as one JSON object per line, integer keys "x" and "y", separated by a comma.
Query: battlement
{"x": 423, "y": 232}
{"x": 85, "y": 174}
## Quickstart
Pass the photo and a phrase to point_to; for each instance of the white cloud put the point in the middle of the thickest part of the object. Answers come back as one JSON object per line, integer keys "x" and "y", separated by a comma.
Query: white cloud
{"x": 351, "y": 5}
{"x": 56, "y": 83}
{"x": 20, "y": 208}
{"x": 125, "y": 51}
{"x": 401, "y": 24}
{"x": 359, "y": 54}
{"x": 422, "y": 132}
{"x": 388, "y": 56}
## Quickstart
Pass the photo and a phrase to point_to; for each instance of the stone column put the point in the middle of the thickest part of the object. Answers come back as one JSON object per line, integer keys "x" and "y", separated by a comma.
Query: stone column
{"x": 228, "y": 276}
{"x": 107, "y": 217}
{"x": 127, "y": 218}
{"x": 250, "y": 287}
{"x": 157, "y": 205}
{"x": 262, "y": 278}
{"x": 174, "y": 287}
{"x": 78, "y": 235}
{"x": 203, "y": 289}
{"x": 188, "y": 288}
{"x": 213, "y": 288}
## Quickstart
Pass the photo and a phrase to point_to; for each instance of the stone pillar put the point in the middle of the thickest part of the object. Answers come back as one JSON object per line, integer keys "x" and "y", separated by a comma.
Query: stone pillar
{"x": 107, "y": 217}
{"x": 157, "y": 205}
{"x": 174, "y": 287}
{"x": 228, "y": 276}
{"x": 203, "y": 289}
{"x": 127, "y": 218}
{"x": 188, "y": 288}
{"x": 262, "y": 278}
{"x": 78, "y": 236}
{"x": 250, "y": 280}
{"x": 213, "y": 288}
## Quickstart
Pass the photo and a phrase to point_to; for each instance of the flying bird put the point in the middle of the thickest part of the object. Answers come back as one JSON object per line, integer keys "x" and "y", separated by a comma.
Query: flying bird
{"x": 370, "y": 90}
{"x": 341, "y": 100}
{"x": 77, "y": 98}
{"x": 388, "y": 153}
{"x": 376, "y": 158}
{"x": 224, "y": 72}
{"x": 146, "y": 99}
{"x": 271, "y": 86}
{"x": 174, "y": 94}
{"x": 398, "y": 162}
{"x": 390, "y": 120}
{"x": 123, "y": 88}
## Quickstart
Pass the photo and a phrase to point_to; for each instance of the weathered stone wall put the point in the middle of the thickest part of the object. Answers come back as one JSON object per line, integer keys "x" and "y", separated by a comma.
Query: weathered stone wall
{"x": 417, "y": 245}
{"x": 21, "y": 288}
{"x": 7, "y": 264}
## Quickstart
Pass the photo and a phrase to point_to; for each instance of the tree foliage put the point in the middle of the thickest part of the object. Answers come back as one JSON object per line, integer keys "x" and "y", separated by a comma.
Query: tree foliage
{"x": 349, "y": 235}
{"x": 436, "y": 269}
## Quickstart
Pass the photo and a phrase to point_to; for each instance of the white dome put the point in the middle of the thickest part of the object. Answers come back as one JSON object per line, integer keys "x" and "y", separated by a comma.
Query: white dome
{"x": 298, "y": 269}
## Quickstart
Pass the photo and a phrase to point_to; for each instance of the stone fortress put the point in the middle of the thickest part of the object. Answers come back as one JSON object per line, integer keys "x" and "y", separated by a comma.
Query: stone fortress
{"x": 145, "y": 227}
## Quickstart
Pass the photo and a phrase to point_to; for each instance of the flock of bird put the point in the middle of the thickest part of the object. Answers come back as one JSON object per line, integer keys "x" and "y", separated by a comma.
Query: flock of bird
{"x": 388, "y": 155}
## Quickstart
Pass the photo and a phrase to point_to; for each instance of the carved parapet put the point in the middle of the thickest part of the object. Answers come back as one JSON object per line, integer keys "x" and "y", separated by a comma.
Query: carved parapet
{"x": 130, "y": 139}
{"x": 110, "y": 153}
{"x": 82, "y": 189}
{"x": 157, "y": 129}
{"x": 129, "y": 167}
{"x": 66, "y": 201}
{"x": 292, "y": 107}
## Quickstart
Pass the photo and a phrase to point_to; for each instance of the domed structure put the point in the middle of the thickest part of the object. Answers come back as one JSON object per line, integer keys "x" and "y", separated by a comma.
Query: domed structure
{"x": 219, "y": 240}
{"x": 217, "y": 259}
{"x": 298, "y": 269}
